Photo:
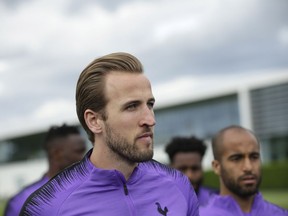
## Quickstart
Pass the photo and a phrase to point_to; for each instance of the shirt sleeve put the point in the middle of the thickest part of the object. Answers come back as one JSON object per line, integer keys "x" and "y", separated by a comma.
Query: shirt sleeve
{"x": 12, "y": 209}
{"x": 193, "y": 204}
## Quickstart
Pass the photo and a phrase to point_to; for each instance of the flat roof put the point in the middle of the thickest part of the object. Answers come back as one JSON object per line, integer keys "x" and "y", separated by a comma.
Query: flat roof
{"x": 191, "y": 89}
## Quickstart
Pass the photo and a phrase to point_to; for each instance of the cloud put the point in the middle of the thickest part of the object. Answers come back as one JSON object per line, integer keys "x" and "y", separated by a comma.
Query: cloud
{"x": 283, "y": 35}
{"x": 46, "y": 44}
{"x": 55, "y": 109}
{"x": 3, "y": 66}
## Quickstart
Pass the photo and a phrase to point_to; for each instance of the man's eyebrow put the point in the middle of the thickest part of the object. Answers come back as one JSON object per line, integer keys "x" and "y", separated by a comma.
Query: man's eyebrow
{"x": 151, "y": 99}
{"x": 242, "y": 155}
{"x": 235, "y": 155}
{"x": 131, "y": 102}
{"x": 255, "y": 153}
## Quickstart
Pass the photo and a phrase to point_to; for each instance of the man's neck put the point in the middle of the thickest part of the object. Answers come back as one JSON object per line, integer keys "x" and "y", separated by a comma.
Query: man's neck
{"x": 245, "y": 203}
{"x": 103, "y": 158}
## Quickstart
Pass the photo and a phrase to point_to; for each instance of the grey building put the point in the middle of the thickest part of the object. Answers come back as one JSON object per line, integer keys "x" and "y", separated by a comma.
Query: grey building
{"x": 258, "y": 103}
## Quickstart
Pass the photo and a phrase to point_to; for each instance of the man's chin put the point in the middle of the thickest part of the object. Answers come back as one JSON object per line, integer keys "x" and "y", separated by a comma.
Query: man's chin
{"x": 195, "y": 186}
{"x": 145, "y": 156}
{"x": 247, "y": 192}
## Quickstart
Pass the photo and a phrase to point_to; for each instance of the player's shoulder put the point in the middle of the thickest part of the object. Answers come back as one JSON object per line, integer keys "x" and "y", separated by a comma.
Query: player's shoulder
{"x": 32, "y": 187}
{"x": 169, "y": 178}
{"x": 20, "y": 197}
{"x": 218, "y": 206}
{"x": 210, "y": 210}
{"x": 165, "y": 173}
{"x": 210, "y": 190}
{"x": 274, "y": 209}
{"x": 54, "y": 192}
{"x": 158, "y": 168}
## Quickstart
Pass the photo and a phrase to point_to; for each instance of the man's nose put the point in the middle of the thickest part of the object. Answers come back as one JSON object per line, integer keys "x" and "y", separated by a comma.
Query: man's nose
{"x": 148, "y": 117}
{"x": 247, "y": 165}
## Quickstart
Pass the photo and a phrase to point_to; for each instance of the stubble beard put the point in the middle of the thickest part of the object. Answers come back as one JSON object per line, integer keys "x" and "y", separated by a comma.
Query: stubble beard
{"x": 125, "y": 150}
{"x": 236, "y": 188}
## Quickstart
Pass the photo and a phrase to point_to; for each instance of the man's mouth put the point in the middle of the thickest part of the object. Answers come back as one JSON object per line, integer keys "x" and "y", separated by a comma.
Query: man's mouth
{"x": 145, "y": 135}
{"x": 249, "y": 179}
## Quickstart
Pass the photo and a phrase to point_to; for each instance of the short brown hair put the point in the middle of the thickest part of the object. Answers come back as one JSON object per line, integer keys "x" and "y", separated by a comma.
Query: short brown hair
{"x": 90, "y": 86}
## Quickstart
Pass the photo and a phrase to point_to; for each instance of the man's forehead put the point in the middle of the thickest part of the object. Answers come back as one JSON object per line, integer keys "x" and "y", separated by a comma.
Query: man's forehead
{"x": 238, "y": 135}
{"x": 130, "y": 85}
{"x": 112, "y": 75}
{"x": 235, "y": 140}
{"x": 115, "y": 78}
{"x": 241, "y": 147}
{"x": 187, "y": 156}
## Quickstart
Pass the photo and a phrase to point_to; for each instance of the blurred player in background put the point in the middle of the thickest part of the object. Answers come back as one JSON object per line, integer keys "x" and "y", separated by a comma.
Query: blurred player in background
{"x": 64, "y": 146}
{"x": 186, "y": 154}
{"x": 237, "y": 163}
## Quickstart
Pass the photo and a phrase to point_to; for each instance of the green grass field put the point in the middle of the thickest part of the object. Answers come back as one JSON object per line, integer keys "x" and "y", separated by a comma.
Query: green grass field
{"x": 2, "y": 206}
{"x": 279, "y": 197}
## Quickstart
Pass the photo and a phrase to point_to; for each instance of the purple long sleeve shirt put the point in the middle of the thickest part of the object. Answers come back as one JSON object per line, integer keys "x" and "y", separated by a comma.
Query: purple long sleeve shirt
{"x": 83, "y": 189}
{"x": 227, "y": 206}
{"x": 205, "y": 194}
{"x": 15, "y": 204}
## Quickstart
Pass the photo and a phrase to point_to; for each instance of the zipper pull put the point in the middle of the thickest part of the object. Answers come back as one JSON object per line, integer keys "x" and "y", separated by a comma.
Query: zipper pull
{"x": 125, "y": 189}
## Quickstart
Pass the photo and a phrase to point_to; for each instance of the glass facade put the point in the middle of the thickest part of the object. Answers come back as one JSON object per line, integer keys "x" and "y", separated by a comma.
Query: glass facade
{"x": 26, "y": 147}
{"x": 21, "y": 148}
{"x": 269, "y": 107}
{"x": 201, "y": 118}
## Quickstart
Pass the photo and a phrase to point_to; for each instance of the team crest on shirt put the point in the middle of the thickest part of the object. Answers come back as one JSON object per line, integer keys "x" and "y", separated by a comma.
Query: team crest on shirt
{"x": 160, "y": 210}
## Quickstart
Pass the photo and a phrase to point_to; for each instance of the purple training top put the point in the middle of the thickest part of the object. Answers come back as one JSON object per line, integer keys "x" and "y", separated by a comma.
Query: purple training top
{"x": 227, "y": 206}
{"x": 15, "y": 204}
{"x": 83, "y": 189}
{"x": 205, "y": 194}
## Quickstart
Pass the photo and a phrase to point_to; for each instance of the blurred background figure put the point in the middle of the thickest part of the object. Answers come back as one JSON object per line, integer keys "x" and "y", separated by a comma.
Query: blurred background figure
{"x": 186, "y": 154}
{"x": 237, "y": 162}
{"x": 64, "y": 146}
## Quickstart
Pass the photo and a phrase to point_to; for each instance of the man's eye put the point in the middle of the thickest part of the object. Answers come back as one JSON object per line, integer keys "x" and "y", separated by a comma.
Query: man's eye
{"x": 151, "y": 105}
{"x": 235, "y": 158}
{"x": 255, "y": 157}
{"x": 131, "y": 107}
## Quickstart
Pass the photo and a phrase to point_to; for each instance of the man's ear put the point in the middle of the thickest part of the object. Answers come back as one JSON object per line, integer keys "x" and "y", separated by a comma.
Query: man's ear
{"x": 94, "y": 121}
{"x": 216, "y": 167}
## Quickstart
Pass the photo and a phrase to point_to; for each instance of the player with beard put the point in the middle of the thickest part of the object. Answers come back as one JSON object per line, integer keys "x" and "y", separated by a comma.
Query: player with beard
{"x": 186, "y": 154}
{"x": 237, "y": 162}
{"x": 114, "y": 104}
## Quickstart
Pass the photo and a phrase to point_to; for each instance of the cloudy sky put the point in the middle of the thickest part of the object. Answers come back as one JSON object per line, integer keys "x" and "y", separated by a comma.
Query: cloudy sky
{"x": 44, "y": 45}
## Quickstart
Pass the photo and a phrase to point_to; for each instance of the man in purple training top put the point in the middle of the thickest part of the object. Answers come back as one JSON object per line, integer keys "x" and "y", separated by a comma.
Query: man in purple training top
{"x": 186, "y": 154}
{"x": 237, "y": 162}
{"x": 114, "y": 104}
{"x": 64, "y": 146}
